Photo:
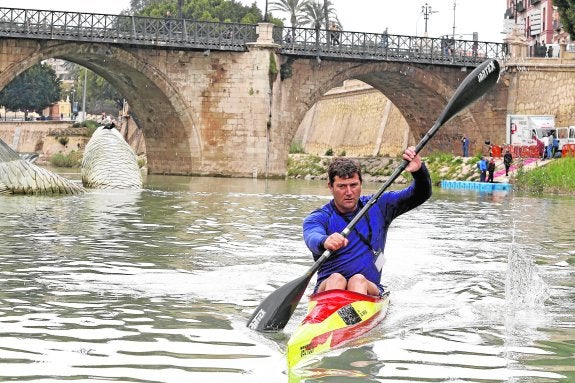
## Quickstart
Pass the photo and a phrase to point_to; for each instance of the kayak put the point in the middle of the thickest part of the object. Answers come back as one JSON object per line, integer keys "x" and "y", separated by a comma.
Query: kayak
{"x": 334, "y": 318}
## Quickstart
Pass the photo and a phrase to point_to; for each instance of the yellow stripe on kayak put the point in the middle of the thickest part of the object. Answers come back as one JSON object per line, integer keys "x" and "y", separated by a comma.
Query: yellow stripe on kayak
{"x": 312, "y": 339}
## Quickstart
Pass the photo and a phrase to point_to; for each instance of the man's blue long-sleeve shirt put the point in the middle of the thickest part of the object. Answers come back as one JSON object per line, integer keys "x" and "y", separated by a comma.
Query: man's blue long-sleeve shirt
{"x": 357, "y": 257}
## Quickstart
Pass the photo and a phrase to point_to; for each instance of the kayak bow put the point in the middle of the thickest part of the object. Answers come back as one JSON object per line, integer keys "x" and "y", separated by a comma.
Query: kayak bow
{"x": 334, "y": 318}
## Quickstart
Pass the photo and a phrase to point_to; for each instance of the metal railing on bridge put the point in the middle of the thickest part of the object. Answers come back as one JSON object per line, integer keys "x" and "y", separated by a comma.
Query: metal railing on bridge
{"x": 385, "y": 47}
{"x": 184, "y": 34}
{"x": 125, "y": 30}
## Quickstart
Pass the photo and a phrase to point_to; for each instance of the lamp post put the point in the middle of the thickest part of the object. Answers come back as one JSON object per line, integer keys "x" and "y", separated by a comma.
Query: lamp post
{"x": 426, "y": 10}
{"x": 84, "y": 95}
{"x": 74, "y": 106}
{"x": 453, "y": 34}
{"x": 266, "y": 13}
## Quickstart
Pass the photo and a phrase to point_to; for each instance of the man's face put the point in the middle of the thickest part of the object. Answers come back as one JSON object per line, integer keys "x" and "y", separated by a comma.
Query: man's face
{"x": 346, "y": 193}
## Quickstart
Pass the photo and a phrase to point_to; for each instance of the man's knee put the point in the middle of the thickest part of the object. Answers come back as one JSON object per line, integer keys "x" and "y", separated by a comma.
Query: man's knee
{"x": 357, "y": 279}
{"x": 337, "y": 278}
{"x": 334, "y": 281}
{"x": 359, "y": 283}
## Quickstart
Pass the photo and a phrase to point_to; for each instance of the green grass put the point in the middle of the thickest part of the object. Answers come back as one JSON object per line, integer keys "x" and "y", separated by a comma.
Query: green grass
{"x": 444, "y": 166}
{"x": 558, "y": 177}
{"x": 61, "y": 160}
{"x": 296, "y": 148}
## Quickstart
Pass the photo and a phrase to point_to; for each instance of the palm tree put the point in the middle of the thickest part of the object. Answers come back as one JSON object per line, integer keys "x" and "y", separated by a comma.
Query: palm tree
{"x": 314, "y": 16}
{"x": 317, "y": 14}
{"x": 294, "y": 8}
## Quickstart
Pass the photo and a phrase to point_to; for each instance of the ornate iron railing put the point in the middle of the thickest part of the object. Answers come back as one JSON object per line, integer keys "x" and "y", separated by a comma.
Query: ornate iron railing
{"x": 385, "y": 47}
{"x": 127, "y": 30}
{"x": 187, "y": 34}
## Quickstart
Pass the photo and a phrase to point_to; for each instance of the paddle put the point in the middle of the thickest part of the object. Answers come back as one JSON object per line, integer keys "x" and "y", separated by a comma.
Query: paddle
{"x": 275, "y": 311}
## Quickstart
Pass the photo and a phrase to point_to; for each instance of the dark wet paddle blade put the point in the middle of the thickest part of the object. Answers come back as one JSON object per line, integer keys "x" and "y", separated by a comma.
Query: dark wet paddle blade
{"x": 276, "y": 310}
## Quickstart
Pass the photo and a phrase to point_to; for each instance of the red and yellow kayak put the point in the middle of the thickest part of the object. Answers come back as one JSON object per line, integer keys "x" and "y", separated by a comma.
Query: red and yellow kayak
{"x": 334, "y": 318}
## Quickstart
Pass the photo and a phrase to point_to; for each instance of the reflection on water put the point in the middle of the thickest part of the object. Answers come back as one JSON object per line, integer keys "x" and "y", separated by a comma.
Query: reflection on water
{"x": 157, "y": 285}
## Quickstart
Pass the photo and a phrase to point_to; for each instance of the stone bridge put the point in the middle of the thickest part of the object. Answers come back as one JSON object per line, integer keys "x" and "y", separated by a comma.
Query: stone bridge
{"x": 235, "y": 113}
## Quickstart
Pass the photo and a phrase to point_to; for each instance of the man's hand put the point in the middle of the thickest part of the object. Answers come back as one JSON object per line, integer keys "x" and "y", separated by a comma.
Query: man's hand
{"x": 335, "y": 242}
{"x": 413, "y": 158}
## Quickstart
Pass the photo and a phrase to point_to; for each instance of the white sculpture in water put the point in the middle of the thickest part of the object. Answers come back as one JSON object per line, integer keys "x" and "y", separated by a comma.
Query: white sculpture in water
{"x": 18, "y": 176}
{"x": 109, "y": 162}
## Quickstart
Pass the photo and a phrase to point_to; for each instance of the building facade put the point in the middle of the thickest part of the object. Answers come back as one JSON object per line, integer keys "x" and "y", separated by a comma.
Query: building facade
{"x": 539, "y": 23}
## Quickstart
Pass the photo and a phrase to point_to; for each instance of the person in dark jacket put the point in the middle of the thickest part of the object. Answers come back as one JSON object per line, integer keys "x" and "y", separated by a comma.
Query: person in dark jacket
{"x": 490, "y": 169}
{"x": 356, "y": 260}
{"x": 507, "y": 160}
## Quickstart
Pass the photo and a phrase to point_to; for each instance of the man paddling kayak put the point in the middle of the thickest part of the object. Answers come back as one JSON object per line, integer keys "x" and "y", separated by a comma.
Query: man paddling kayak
{"x": 357, "y": 260}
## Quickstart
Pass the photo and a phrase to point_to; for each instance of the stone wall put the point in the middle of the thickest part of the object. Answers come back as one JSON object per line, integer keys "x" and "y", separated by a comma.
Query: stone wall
{"x": 543, "y": 87}
{"x": 43, "y": 137}
{"x": 354, "y": 119}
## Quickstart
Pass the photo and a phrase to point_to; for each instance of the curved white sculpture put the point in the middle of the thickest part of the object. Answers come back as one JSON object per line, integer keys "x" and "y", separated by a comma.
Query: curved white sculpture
{"x": 109, "y": 162}
{"x": 18, "y": 176}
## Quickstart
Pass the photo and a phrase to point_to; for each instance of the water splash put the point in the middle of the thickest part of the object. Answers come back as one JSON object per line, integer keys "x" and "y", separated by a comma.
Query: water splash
{"x": 524, "y": 287}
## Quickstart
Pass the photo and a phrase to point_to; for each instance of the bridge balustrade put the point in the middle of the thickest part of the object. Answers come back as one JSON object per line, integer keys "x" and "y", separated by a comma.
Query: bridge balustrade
{"x": 372, "y": 46}
{"x": 185, "y": 34}
{"x": 123, "y": 29}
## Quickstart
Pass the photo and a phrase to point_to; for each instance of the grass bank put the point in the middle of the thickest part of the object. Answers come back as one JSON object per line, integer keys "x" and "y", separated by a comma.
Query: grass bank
{"x": 557, "y": 177}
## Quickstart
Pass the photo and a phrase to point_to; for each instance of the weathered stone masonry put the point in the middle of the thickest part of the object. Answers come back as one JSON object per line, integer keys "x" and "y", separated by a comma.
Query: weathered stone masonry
{"x": 226, "y": 113}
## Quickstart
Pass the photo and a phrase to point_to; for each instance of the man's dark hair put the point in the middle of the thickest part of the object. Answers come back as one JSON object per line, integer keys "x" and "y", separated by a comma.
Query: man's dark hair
{"x": 343, "y": 168}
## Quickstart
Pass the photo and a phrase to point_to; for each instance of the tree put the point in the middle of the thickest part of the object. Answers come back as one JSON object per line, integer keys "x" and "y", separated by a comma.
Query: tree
{"x": 33, "y": 90}
{"x": 294, "y": 8}
{"x": 201, "y": 10}
{"x": 316, "y": 14}
{"x": 101, "y": 96}
{"x": 566, "y": 10}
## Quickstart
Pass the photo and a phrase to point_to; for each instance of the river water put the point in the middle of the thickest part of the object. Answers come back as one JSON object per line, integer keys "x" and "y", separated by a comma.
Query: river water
{"x": 157, "y": 286}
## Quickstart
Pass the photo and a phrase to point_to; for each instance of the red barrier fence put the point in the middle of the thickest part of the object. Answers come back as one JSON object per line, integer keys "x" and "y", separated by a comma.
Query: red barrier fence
{"x": 518, "y": 151}
{"x": 568, "y": 150}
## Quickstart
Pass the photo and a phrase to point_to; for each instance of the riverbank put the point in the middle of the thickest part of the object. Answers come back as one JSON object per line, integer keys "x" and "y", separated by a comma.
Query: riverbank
{"x": 555, "y": 176}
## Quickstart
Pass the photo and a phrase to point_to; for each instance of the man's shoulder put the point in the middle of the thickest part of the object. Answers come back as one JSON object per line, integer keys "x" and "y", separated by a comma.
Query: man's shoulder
{"x": 325, "y": 210}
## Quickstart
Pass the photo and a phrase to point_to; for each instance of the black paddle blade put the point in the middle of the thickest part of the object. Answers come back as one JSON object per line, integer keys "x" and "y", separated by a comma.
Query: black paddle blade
{"x": 275, "y": 311}
{"x": 475, "y": 85}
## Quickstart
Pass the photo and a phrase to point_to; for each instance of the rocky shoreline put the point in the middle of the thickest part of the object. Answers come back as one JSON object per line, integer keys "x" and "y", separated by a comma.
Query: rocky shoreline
{"x": 378, "y": 169}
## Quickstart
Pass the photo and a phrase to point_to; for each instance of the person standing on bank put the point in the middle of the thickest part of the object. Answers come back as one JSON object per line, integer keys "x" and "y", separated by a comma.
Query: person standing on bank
{"x": 465, "y": 146}
{"x": 490, "y": 169}
{"x": 507, "y": 160}
{"x": 356, "y": 261}
{"x": 482, "y": 166}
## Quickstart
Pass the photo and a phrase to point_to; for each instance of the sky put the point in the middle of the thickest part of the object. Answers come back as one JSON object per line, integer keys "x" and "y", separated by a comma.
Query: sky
{"x": 401, "y": 17}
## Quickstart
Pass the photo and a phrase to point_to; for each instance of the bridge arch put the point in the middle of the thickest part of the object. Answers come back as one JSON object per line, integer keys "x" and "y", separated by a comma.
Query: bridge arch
{"x": 420, "y": 92}
{"x": 156, "y": 105}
